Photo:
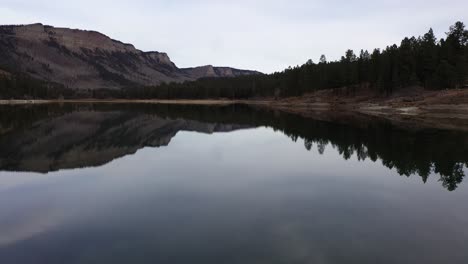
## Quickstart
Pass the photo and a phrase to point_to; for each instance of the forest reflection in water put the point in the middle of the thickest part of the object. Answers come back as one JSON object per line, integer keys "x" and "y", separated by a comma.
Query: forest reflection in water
{"x": 46, "y": 138}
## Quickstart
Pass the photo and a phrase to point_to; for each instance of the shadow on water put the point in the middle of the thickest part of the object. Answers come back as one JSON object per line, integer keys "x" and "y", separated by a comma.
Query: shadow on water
{"x": 46, "y": 138}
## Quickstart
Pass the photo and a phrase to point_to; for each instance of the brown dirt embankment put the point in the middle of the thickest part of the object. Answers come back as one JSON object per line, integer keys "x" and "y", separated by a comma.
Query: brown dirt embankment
{"x": 119, "y": 101}
{"x": 447, "y": 109}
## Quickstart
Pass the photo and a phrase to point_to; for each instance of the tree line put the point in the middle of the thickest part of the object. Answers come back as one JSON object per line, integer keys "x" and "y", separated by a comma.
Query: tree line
{"x": 21, "y": 86}
{"x": 423, "y": 61}
{"x": 418, "y": 61}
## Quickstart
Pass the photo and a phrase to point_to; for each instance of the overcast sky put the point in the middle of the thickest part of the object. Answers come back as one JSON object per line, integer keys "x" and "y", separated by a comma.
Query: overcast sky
{"x": 265, "y": 35}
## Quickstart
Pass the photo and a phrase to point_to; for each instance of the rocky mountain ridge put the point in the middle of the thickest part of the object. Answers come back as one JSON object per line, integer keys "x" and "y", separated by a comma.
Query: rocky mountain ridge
{"x": 81, "y": 59}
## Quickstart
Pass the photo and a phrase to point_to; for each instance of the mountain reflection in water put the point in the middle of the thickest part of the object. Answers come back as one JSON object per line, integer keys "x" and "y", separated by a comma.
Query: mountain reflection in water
{"x": 47, "y": 138}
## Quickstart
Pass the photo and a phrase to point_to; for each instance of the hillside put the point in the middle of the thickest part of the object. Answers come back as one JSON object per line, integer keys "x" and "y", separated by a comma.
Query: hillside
{"x": 82, "y": 59}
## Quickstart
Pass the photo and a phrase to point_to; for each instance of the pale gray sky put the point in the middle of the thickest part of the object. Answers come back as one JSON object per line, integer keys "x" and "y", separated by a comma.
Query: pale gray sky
{"x": 265, "y": 35}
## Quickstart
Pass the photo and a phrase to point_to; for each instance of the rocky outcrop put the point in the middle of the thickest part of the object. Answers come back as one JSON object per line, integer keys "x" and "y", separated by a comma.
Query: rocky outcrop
{"x": 82, "y": 59}
{"x": 216, "y": 72}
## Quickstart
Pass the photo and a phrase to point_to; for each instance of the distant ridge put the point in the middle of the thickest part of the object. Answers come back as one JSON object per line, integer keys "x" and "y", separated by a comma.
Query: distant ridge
{"x": 82, "y": 59}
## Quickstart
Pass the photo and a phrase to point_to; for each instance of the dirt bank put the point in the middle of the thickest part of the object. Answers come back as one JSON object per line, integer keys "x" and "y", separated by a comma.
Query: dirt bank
{"x": 119, "y": 101}
{"x": 446, "y": 109}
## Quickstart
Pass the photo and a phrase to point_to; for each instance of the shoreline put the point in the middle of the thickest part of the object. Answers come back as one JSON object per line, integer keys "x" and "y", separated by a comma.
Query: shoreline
{"x": 118, "y": 101}
{"x": 436, "y": 109}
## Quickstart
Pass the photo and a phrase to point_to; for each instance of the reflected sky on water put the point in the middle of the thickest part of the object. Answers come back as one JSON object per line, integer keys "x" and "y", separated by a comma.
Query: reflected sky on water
{"x": 237, "y": 193}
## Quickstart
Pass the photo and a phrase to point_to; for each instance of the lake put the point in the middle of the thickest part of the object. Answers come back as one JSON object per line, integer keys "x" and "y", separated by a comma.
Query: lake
{"x": 123, "y": 183}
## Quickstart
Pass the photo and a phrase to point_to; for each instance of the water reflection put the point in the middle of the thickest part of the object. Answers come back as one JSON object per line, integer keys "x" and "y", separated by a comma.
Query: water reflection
{"x": 154, "y": 192}
{"x": 48, "y": 138}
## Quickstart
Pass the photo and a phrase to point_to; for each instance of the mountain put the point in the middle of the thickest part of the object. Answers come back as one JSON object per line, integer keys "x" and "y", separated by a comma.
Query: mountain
{"x": 82, "y": 59}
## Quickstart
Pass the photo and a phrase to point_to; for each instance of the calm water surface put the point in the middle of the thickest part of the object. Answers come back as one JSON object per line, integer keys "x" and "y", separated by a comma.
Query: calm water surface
{"x": 186, "y": 184}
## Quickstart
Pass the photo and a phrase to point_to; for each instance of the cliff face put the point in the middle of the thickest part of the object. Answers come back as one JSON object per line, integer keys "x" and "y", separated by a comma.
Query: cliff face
{"x": 89, "y": 60}
{"x": 210, "y": 71}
